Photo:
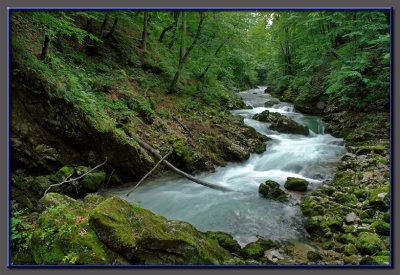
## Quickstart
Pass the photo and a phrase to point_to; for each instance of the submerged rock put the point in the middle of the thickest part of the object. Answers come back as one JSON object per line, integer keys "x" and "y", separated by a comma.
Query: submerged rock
{"x": 281, "y": 123}
{"x": 271, "y": 190}
{"x": 296, "y": 184}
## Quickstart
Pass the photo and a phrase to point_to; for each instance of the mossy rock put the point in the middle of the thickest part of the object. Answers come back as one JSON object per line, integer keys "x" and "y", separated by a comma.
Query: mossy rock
{"x": 311, "y": 206}
{"x": 63, "y": 236}
{"x": 55, "y": 200}
{"x": 350, "y": 249}
{"x": 335, "y": 223}
{"x": 296, "y": 184}
{"x": 375, "y": 260}
{"x": 225, "y": 240}
{"x": 92, "y": 200}
{"x": 271, "y": 190}
{"x": 370, "y": 243}
{"x": 381, "y": 228}
{"x": 348, "y": 238}
{"x": 318, "y": 226}
{"x": 145, "y": 238}
{"x": 314, "y": 256}
{"x": 40, "y": 184}
{"x": 255, "y": 250}
{"x": 63, "y": 173}
{"x": 342, "y": 179}
{"x": 271, "y": 103}
{"x": 93, "y": 181}
{"x": 380, "y": 196}
{"x": 364, "y": 150}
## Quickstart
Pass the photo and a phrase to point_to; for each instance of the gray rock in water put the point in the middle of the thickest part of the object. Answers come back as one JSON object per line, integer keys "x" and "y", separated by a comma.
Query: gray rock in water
{"x": 281, "y": 123}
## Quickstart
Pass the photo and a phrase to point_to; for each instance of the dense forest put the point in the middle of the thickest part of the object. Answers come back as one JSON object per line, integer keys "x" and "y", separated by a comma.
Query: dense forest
{"x": 100, "y": 97}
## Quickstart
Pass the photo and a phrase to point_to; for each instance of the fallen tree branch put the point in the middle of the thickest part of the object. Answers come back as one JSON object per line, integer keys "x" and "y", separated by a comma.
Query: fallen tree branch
{"x": 149, "y": 173}
{"x": 74, "y": 179}
{"x": 176, "y": 170}
{"x": 183, "y": 126}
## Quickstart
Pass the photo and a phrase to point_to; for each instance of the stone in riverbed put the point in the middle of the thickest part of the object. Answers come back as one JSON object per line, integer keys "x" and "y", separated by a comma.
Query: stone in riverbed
{"x": 271, "y": 190}
{"x": 281, "y": 123}
{"x": 296, "y": 184}
{"x": 271, "y": 103}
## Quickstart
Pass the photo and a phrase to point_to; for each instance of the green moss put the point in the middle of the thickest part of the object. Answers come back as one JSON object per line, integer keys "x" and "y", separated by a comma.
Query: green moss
{"x": 296, "y": 184}
{"x": 255, "y": 250}
{"x": 350, "y": 249}
{"x": 56, "y": 200}
{"x": 271, "y": 190}
{"x": 93, "y": 181}
{"x": 375, "y": 260}
{"x": 318, "y": 226}
{"x": 370, "y": 243}
{"x": 381, "y": 228}
{"x": 64, "y": 172}
{"x": 335, "y": 223}
{"x": 311, "y": 206}
{"x": 63, "y": 236}
{"x": 92, "y": 200}
{"x": 380, "y": 195}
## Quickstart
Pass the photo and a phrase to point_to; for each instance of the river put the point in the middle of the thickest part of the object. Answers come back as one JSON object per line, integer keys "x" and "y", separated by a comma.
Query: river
{"x": 245, "y": 214}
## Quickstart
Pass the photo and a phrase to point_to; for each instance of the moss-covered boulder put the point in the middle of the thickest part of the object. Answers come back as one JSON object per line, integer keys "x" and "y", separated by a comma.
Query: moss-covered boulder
{"x": 267, "y": 116}
{"x": 271, "y": 190}
{"x": 318, "y": 226}
{"x": 311, "y": 206}
{"x": 370, "y": 243}
{"x": 56, "y": 200}
{"x": 381, "y": 228}
{"x": 255, "y": 250}
{"x": 314, "y": 256}
{"x": 145, "y": 238}
{"x": 225, "y": 240}
{"x": 350, "y": 249}
{"x": 296, "y": 184}
{"x": 380, "y": 196}
{"x": 271, "y": 103}
{"x": 93, "y": 181}
{"x": 63, "y": 235}
{"x": 375, "y": 260}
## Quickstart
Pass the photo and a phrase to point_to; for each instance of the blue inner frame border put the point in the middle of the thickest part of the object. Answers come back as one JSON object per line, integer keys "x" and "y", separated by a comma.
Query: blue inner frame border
{"x": 195, "y": 9}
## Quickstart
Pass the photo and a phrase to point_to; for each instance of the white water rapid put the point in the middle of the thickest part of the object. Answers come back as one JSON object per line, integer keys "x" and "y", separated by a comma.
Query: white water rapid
{"x": 245, "y": 214}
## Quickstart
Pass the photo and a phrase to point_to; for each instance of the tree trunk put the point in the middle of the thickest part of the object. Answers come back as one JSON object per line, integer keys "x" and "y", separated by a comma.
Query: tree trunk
{"x": 183, "y": 38}
{"x": 186, "y": 53}
{"x": 103, "y": 26}
{"x": 113, "y": 28}
{"x": 176, "y": 170}
{"x": 163, "y": 33}
{"x": 45, "y": 49}
{"x": 144, "y": 34}
{"x": 215, "y": 54}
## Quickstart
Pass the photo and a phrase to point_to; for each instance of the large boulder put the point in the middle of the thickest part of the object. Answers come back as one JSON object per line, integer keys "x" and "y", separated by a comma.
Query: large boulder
{"x": 145, "y": 238}
{"x": 296, "y": 184}
{"x": 281, "y": 123}
{"x": 271, "y": 103}
{"x": 225, "y": 240}
{"x": 256, "y": 250}
{"x": 62, "y": 235}
{"x": 271, "y": 190}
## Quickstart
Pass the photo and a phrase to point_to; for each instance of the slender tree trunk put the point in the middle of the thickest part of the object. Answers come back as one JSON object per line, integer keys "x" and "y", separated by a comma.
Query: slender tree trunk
{"x": 183, "y": 38}
{"x": 186, "y": 53}
{"x": 46, "y": 45}
{"x": 144, "y": 34}
{"x": 103, "y": 26}
{"x": 163, "y": 33}
{"x": 176, "y": 17}
{"x": 113, "y": 28}
{"x": 215, "y": 54}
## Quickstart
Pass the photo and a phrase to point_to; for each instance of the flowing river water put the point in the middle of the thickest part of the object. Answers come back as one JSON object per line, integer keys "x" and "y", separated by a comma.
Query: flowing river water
{"x": 245, "y": 214}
